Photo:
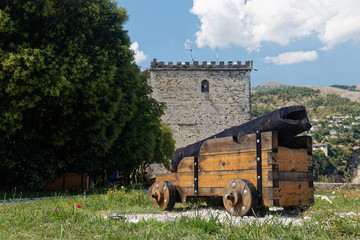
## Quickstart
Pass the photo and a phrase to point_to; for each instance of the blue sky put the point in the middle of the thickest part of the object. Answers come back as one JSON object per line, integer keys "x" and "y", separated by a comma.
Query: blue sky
{"x": 306, "y": 43}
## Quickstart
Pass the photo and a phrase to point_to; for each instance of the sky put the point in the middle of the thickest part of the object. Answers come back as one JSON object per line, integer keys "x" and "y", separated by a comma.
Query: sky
{"x": 304, "y": 43}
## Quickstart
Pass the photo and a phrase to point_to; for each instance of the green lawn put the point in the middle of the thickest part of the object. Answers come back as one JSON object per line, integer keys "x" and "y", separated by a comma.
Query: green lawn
{"x": 88, "y": 217}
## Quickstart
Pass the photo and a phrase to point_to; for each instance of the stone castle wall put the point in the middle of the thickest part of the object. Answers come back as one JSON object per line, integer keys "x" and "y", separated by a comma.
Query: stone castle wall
{"x": 194, "y": 114}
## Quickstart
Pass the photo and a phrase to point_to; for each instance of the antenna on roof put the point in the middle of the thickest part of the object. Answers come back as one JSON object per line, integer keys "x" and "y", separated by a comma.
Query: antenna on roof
{"x": 217, "y": 54}
{"x": 190, "y": 50}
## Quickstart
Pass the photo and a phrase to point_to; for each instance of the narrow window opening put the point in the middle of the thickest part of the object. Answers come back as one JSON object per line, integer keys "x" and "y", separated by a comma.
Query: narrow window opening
{"x": 204, "y": 86}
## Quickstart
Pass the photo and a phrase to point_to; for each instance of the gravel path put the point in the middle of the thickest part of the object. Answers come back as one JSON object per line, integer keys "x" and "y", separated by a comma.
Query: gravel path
{"x": 218, "y": 214}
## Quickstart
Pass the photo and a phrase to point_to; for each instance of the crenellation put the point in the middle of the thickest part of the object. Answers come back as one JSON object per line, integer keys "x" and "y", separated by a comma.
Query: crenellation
{"x": 203, "y": 66}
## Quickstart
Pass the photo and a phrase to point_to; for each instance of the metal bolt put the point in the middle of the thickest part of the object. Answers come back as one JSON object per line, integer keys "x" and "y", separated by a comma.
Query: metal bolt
{"x": 245, "y": 192}
{"x": 164, "y": 188}
{"x": 165, "y": 201}
{"x": 258, "y": 141}
{"x": 157, "y": 185}
{"x": 195, "y": 179}
{"x": 195, "y": 164}
{"x": 258, "y": 159}
{"x": 243, "y": 208}
{"x": 233, "y": 184}
{"x": 258, "y": 177}
{"x": 195, "y": 191}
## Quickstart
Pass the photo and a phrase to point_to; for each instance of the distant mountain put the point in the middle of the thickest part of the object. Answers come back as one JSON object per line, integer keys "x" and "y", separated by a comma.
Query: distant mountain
{"x": 269, "y": 85}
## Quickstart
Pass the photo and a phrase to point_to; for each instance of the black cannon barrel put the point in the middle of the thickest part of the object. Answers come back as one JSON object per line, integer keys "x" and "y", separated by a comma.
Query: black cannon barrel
{"x": 287, "y": 121}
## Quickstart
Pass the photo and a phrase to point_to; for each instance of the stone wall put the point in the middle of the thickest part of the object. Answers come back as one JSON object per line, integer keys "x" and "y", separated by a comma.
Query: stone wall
{"x": 193, "y": 114}
{"x": 336, "y": 186}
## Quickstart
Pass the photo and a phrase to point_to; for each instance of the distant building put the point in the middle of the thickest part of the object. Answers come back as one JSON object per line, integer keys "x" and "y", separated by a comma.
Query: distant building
{"x": 333, "y": 132}
{"x": 314, "y": 120}
{"x": 315, "y": 128}
{"x": 320, "y": 146}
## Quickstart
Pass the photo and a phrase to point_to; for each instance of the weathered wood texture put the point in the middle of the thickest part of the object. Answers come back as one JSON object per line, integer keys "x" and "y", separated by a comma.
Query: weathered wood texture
{"x": 70, "y": 181}
{"x": 286, "y": 173}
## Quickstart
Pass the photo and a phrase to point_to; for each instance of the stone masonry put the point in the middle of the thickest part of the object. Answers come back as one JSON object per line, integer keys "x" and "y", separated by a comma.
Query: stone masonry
{"x": 201, "y": 99}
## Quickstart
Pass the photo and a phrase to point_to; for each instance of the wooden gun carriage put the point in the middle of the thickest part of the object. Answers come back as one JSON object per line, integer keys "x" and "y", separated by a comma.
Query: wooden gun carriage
{"x": 245, "y": 172}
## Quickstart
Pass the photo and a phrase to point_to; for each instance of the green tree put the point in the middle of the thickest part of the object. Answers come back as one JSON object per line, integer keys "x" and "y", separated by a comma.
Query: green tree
{"x": 146, "y": 141}
{"x": 322, "y": 165}
{"x": 68, "y": 86}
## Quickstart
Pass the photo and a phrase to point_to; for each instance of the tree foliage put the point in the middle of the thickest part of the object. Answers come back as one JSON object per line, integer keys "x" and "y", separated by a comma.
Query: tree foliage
{"x": 68, "y": 88}
{"x": 146, "y": 140}
{"x": 334, "y": 103}
{"x": 345, "y": 87}
{"x": 285, "y": 94}
{"x": 322, "y": 165}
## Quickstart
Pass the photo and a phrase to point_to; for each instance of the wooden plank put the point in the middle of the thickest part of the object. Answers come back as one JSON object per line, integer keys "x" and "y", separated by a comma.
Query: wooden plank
{"x": 292, "y": 160}
{"x": 297, "y": 200}
{"x": 226, "y": 145}
{"x": 291, "y": 176}
{"x": 235, "y": 161}
{"x": 186, "y": 165}
{"x": 268, "y": 197}
{"x": 226, "y": 162}
{"x": 293, "y": 193}
{"x": 291, "y": 187}
{"x": 215, "y": 179}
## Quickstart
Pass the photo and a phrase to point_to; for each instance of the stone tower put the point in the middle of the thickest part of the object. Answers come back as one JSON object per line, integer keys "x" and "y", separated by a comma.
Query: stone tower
{"x": 201, "y": 99}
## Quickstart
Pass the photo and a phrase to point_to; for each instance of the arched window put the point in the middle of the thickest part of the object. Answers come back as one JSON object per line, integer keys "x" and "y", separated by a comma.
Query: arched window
{"x": 205, "y": 86}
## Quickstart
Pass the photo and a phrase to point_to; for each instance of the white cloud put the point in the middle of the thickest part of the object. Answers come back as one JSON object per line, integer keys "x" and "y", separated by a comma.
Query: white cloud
{"x": 293, "y": 57}
{"x": 232, "y": 22}
{"x": 139, "y": 55}
{"x": 188, "y": 44}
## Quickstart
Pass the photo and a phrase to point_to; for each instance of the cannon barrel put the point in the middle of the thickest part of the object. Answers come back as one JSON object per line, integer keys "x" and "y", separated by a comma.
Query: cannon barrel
{"x": 287, "y": 121}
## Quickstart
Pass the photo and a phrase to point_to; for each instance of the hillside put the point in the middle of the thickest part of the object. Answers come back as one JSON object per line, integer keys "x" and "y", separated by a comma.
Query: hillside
{"x": 352, "y": 95}
{"x": 319, "y": 101}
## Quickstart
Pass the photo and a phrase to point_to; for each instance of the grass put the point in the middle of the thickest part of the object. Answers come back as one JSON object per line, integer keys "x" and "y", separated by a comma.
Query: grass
{"x": 87, "y": 217}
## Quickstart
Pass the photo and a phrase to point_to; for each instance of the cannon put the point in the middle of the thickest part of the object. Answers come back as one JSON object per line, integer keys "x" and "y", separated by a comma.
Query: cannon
{"x": 259, "y": 163}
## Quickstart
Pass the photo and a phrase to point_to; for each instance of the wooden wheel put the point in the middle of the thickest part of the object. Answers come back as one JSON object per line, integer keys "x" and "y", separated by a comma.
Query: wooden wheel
{"x": 240, "y": 197}
{"x": 163, "y": 195}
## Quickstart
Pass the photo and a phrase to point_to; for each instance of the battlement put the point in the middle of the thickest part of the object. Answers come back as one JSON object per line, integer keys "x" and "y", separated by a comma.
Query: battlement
{"x": 203, "y": 66}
